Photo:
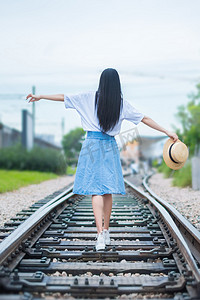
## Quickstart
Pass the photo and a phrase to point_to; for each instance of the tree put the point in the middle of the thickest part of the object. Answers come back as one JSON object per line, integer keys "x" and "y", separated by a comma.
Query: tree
{"x": 71, "y": 143}
{"x": 189, "y": 116}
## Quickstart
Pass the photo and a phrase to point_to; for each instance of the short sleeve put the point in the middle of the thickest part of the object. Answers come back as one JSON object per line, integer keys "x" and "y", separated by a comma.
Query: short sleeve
{"x": 130, "y": 113}
{"x": 72, "y": 101}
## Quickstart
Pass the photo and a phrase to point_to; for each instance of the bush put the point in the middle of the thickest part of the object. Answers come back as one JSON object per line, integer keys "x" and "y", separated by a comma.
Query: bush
{"x": 165, "y": 170}
{"x": 39, "y": 159}
{"x": 183, "y": 177}
{"x": 156, "y": 162}
{"x": 72, "y": 161}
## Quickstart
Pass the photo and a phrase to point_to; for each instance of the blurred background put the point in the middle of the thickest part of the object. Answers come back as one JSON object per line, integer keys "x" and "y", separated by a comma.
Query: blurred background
{"x": 61, "y": 47}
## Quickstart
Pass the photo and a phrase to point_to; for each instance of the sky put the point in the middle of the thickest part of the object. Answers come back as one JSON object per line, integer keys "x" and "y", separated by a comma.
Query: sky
{"x": 62, "y": 46}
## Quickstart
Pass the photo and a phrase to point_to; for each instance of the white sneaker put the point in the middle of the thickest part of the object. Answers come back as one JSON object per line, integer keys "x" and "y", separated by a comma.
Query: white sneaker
{"x": 106, "y": 236}
{"x": 100, "y": 244}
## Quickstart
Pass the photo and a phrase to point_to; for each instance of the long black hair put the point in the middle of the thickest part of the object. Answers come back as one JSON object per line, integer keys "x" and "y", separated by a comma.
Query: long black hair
{"x": 108, "y": 99}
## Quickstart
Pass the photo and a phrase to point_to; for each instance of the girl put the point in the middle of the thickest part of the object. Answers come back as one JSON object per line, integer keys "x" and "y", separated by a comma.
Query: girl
{"x": 99, "y": 171}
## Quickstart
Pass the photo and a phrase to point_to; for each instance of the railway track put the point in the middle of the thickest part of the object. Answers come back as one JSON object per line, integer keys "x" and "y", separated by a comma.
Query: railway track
{"x": 48, "y": 251}
{"x": 189, "y": 232}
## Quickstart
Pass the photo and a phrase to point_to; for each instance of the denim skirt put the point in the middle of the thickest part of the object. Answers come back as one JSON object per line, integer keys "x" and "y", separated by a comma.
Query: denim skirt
{"x": 99, "y": 168}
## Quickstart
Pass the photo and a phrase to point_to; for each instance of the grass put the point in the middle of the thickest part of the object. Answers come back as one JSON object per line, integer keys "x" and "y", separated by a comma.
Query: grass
{"x": 165, "y": 170}
{"x": 70, "y": 170}
{"x": 181, "y": 177}
{"x": 13, "y": 179}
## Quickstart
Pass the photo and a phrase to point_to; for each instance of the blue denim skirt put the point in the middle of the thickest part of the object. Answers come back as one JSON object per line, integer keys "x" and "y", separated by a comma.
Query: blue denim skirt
{"x": 99, "y": 168}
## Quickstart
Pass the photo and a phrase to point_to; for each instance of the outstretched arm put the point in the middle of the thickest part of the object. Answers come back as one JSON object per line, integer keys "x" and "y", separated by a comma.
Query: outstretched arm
{"x": 151, "y": 123}
{"x": 57, "y": 97}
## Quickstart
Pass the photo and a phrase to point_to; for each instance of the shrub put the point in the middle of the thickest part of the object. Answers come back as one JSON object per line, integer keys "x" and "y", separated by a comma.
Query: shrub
{"x": 165, "y": 170}
{"x": 39, "y": 159}
{"x": 183, "y": 177}
{"x": 156, "y": 162}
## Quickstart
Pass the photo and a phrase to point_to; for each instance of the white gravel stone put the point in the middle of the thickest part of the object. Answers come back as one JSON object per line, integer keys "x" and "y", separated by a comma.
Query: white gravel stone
{"x": 185, "y": 200}
{"x": 13, "y": 202}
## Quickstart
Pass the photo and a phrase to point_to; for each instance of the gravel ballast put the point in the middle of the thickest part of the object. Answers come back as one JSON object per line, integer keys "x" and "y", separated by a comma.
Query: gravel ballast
{"x": 13, "y": 202}
{"x": 185, "y": 200}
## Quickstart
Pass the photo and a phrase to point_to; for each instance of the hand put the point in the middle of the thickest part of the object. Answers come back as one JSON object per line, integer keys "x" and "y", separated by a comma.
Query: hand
{"x": 172, "y": 135}
{"x": 33, "y": 98}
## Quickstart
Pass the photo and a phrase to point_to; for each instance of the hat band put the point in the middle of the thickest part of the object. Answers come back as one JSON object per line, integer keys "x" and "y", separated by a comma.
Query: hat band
{"x": 171, "y": 155}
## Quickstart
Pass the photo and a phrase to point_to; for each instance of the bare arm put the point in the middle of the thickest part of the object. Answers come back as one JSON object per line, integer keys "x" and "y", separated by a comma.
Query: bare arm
{"x": 151, "y": 123}
{"x": 57, "y": 97}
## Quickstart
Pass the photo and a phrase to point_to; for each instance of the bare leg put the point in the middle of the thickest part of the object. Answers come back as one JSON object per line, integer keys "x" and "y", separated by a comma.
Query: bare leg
{"x": 97, "y": 205}
{"x": 107, "y": 208}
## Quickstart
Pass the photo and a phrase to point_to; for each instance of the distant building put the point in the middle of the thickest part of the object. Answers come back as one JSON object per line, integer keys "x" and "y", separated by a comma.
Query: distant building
{"x": 47, "y": 137}
{"x": 130, "y": 153}
{"x": 10, "y": 136}
{"x": 145, "y": 149}
{"x": 151, "y": 147}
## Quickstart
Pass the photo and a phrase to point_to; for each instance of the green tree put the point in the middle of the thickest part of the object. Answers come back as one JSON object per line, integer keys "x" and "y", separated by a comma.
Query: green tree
{"x": 71, "y": 143}
{"x": 189, "y": 117}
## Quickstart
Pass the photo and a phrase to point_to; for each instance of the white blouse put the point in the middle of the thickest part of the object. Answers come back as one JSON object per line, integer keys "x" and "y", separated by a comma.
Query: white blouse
{"x": 84, "y": 103}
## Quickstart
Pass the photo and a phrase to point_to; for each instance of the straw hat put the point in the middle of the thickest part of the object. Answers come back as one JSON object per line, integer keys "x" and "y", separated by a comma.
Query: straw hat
{"x": 175, "y": 154}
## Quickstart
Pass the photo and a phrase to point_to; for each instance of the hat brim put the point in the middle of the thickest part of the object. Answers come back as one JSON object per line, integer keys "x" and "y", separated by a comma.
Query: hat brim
{"x": 166, "y": 157}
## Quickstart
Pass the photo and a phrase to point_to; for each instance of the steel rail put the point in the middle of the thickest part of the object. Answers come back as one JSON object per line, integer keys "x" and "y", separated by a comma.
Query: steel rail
{"x": 63, "y": 223}
{"x": 190, "y": 233}
{"x": 11, "y": 243}
{"x": 174, "y": 231}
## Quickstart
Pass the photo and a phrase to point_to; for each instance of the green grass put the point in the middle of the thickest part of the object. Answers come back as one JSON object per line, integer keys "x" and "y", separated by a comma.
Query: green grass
{"x": 70, "y": 170}
{"x": 165, "y": 170}
{"x": 13, "y": 179}
{"x": 181, "y": 177}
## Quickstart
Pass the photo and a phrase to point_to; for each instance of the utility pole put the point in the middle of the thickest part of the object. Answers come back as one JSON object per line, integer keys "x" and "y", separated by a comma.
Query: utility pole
{"x": 33, "y": 113}
{"x": 63, "y": 126}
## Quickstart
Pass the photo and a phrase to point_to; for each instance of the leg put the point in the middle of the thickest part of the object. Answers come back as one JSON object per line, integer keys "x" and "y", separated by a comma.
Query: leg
{"x": 97, "y": 205}
{"x": 107, "y": 208}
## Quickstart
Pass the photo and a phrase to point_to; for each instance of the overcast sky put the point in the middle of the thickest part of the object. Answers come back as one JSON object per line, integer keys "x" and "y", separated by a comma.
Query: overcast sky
{"x": 67, "y": 43}
{"x": 69, "y": 36}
